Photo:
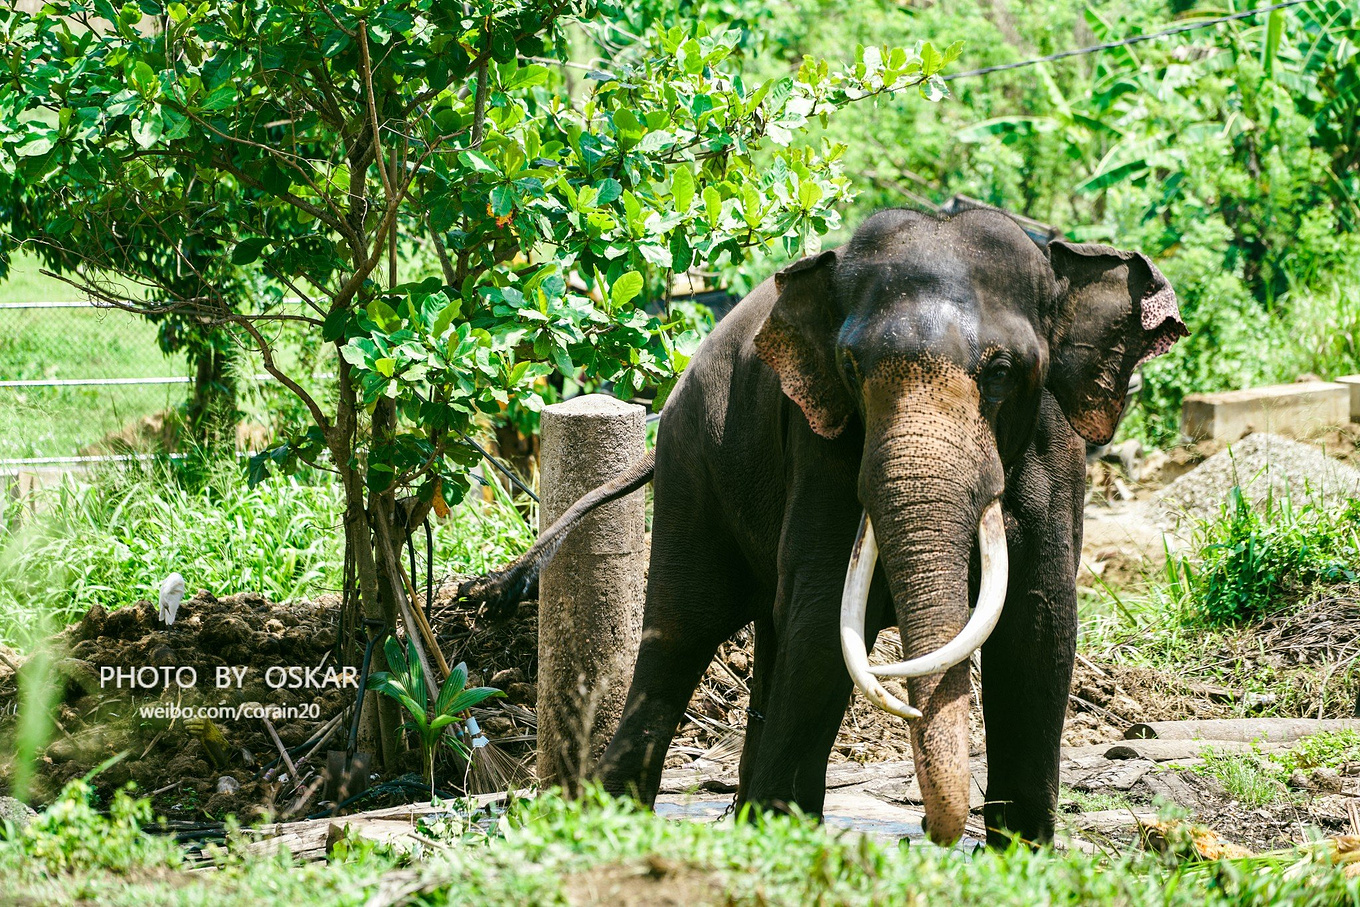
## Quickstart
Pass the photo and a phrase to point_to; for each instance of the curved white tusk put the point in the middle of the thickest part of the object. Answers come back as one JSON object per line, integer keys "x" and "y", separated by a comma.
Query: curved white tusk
{"x": 991, "y": 596}
{"x": 854, "y": 603}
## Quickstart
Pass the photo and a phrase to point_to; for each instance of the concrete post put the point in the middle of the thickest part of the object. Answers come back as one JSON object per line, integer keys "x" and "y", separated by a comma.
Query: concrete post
{"x": 591, "y": 595}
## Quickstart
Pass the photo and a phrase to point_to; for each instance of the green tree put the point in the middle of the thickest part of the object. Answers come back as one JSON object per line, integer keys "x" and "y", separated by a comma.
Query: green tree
{"x": 320, "y": 144}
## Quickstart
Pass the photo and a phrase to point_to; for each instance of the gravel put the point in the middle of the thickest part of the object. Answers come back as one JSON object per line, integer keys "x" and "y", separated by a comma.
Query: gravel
{"x": 1264, "y": 465}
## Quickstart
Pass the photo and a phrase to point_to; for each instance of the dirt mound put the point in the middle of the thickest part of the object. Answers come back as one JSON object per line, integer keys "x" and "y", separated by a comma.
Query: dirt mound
{"x": 1263, "y": 465}
{"x": 127, "y": 685}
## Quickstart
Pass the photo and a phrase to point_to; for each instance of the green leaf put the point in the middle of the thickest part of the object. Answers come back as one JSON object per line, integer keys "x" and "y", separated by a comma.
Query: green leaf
{"x": 334, "y": 326}
{"x": 1270, "y": 49}
{"x": 607, "y": 191}
{"x": 148, "y": 127}
{"x": 472, "y": 698}
{"x": 1107, "y": 178}
{"x": 354, "y": 355}
{"x": 248, "y": 250}
{"x": 385, "y": 366}
{"x": 453, "y": 685}
{"x": 396, "y": 661}
{"x": 502, "y": 201}
{"x": 382, "y": 314}
{"x": 712, "y": 205}
{"x": 35, "y": 147}
{"x": 682, "y": 188}
{"x": 931, "y": 60}
{"x": 445, "y": 317}
{"x": 625, "y": 288}
{"x": 416, "y": 675}
{"x": 477, "y": 162}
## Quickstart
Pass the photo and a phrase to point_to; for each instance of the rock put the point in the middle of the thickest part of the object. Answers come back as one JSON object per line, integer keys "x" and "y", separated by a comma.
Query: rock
{"x": 1326, "y": 780}
{"x": 1115, "y": 775}
{"x": 228, "y": 785}
{"x": 522, "y": 694}
{"x": 739, "y": 662}
{"x": 503, "y": 680}
{"x": 15, "y": 812}
{"x": 1298, "y": 780}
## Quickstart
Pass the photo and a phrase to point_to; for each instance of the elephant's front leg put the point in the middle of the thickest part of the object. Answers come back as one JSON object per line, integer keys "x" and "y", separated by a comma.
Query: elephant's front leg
{"x": 807, "y": 688}
{"x": 806, "y": 696}
{"x": 1026, "y": 674}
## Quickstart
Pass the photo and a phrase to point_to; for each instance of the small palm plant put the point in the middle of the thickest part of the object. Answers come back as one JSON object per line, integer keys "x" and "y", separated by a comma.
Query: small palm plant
{"x": 405, "y": 682}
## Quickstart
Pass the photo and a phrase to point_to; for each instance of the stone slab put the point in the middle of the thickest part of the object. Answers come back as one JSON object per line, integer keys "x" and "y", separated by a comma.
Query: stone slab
{"x": 1290, "y": 409}
{"x": 1352, "y": 383}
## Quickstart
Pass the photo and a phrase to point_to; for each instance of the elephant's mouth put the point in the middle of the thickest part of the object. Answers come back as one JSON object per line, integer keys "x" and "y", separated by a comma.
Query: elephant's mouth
{"x": 854, "y": 605}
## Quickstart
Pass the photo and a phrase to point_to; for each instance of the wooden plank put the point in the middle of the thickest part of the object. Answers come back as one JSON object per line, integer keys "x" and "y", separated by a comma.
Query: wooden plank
{"x": 1240, "y": 730}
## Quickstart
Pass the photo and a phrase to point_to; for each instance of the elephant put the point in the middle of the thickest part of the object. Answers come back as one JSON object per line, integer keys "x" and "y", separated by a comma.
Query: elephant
{"x": 881, "y": 434}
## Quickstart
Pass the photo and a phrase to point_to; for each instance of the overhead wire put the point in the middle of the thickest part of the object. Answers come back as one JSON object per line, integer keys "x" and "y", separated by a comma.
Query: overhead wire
{"x": 1125, "y": 42}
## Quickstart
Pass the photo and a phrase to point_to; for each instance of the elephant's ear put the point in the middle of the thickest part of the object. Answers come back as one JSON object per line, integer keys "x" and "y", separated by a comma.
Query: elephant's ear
{"x": 1115, "y": 311}
{"x": 798, "y": 341}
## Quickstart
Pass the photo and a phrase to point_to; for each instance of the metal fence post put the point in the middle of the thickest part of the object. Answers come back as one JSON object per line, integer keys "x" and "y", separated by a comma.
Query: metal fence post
{"x": 590, "y": 596}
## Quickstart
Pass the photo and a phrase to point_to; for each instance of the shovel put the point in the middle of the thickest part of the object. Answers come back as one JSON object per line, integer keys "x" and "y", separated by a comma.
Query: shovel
{"x": 346, "y": 770}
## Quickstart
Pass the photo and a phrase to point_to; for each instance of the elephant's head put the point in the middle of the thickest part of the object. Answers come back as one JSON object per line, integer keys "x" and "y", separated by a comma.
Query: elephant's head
{"x": 941, "y": 336}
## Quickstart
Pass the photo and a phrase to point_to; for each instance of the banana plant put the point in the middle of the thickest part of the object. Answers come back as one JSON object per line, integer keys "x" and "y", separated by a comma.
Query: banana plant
{"x": 405, "y": 682}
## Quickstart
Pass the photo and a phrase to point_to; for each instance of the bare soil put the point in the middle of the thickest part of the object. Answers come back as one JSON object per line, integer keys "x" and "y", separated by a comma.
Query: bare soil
{"x": 98, "y": 716}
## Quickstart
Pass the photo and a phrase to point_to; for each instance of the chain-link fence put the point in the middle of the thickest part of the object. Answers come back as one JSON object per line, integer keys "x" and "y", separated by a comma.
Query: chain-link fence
{"x": 74, "y": 376}
{"x": 82, "y": 380}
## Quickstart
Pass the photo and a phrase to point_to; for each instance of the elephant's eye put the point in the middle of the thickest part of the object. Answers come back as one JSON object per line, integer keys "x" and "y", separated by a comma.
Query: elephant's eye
{"x": 996, "y": 379}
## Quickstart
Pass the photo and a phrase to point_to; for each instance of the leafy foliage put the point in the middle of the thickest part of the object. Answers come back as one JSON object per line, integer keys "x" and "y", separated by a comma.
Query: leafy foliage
{"x": 313, "y": 146}
{"x": 404, "y": 681}
{"x": 1227, "y": 154}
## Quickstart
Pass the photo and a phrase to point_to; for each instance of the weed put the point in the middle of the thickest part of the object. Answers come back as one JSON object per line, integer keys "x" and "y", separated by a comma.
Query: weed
{"x": 1329, "y": 749}
{"x": 405, "y": 682}
{"x": 1257, "y": 779}
{"x": 1253, "y": 558}
{"x": 72, "y": 835}
{"x": 1249, "y": 778}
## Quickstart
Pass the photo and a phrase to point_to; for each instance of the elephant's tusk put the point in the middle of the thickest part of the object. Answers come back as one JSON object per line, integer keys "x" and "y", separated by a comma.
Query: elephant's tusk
{"x": 854, "y": 603}
{"x": 991, "y": 596}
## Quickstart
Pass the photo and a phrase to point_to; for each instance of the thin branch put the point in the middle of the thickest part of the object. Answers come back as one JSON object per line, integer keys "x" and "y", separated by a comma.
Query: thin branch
{"x": 267, "y": 355}
{"x": 366, "y": 73}
{"x": 479, "y": 106}
{"x": 445, "y": 265}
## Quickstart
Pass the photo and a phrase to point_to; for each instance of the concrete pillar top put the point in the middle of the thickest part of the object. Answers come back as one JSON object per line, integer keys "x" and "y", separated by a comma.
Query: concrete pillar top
{"x": 592, "y": 405}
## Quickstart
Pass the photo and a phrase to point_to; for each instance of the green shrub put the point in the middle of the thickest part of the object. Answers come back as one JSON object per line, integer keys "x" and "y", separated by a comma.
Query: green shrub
{"x": 1256, "y": 559}
{"x": 71, "y": 835}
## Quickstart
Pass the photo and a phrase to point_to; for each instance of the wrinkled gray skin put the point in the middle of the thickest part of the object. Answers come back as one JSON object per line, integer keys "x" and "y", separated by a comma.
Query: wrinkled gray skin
{"x": 920, "y": 372}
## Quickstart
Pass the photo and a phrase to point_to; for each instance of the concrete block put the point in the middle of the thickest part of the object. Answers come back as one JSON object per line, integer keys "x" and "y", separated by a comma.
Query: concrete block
{"x": 1287, "y": 409}
{"x": 1352, "y": 382}
{"x": 591, "y": 594}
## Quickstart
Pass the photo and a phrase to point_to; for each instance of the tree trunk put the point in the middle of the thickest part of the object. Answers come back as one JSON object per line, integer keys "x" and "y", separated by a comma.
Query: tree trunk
{"x": 380, "y": 718}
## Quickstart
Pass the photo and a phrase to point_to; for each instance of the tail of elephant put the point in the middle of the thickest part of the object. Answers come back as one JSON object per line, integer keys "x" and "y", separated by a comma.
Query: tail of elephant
{"x": 500, "y": 592}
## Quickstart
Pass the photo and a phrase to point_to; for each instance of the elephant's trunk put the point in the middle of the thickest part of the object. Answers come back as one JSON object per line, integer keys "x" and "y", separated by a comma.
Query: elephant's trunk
{"x": 930, "y": 470}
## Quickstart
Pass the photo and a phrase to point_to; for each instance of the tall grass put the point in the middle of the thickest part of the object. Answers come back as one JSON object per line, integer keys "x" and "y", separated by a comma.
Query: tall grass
{"x": 114, "y": 536}
{"x": 1258, "y": 558}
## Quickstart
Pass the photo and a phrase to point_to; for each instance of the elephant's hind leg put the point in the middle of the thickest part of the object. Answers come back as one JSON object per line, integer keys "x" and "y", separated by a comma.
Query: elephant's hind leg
{"x": 697, "y": 596}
